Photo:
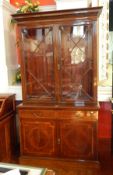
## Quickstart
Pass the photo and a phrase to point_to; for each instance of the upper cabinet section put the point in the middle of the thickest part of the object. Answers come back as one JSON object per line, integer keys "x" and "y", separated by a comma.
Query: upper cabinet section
{"x": 58, "y": 53}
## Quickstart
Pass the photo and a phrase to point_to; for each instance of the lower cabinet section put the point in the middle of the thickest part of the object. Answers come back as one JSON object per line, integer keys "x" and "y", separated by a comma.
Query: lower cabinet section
{"x": 58, "y": 133}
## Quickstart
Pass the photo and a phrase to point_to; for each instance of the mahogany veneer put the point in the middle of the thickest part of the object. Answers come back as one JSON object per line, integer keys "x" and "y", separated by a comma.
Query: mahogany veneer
{"x": 7, "y": 127}
{"x": 58, "y": 54}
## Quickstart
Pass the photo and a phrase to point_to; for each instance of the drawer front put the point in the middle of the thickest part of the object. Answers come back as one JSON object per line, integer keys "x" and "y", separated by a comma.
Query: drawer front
{"x": 59, "y": 114}
{"x": 36, "y": 114}
{"x": 78, "y": 115}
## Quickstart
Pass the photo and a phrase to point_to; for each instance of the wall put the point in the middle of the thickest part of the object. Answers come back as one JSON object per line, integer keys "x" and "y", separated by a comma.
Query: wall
{"x": 8, "y": 61}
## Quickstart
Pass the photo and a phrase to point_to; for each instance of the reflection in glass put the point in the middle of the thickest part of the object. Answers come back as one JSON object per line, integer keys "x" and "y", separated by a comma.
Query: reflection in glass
{"x": 38, "y": 54}
{"x": 76, "y": 63}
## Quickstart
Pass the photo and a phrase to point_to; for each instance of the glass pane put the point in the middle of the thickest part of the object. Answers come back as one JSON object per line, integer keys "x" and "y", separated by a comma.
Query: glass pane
{"x": 38, "y": 55}
{"x": 76, "y": 63}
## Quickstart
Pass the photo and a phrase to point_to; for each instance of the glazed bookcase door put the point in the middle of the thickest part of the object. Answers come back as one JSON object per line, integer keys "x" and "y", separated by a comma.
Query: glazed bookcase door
{"x": 37, "y": 59}
{"x": 77, "y": 68}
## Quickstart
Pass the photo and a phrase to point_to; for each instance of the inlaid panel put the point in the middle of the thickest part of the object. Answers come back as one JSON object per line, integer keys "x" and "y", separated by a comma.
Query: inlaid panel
{"x": 38, "y": 139}
{"x": 78, "y": 139}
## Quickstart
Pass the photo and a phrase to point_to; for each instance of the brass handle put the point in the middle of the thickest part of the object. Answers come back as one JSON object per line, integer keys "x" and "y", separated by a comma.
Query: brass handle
{"x": 58, "y": 140}
{"x": 58, "y": 66}
{"x": 91, "y": 112}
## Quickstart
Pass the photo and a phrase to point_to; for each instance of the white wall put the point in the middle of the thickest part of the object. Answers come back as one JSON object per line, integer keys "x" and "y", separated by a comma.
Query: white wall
{"x": 8, "y": 57}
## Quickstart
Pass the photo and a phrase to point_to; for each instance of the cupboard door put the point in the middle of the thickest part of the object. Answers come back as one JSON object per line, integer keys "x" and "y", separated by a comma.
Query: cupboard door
{"x": 76, "y": 63}
{"x": 78, "y": 139}
{"x": 38, "y": 138}
{"x": 37, "y": 64}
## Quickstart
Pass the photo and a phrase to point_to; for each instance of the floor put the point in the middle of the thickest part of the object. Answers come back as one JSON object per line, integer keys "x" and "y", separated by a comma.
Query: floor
{"x": 104, "y": 168}
{"x": 106, "y": 163}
